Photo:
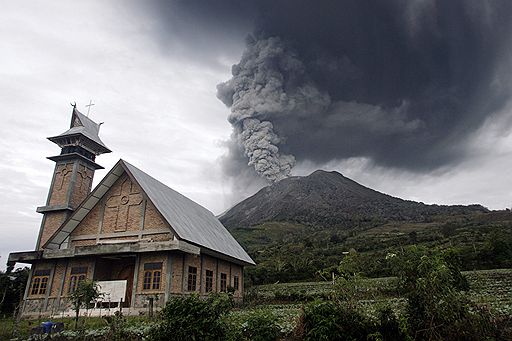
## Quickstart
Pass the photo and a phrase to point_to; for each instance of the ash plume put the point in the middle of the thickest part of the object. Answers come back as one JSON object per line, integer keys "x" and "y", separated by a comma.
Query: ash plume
{"x": 269, "y": 81}
{"x": 404, "y": 84}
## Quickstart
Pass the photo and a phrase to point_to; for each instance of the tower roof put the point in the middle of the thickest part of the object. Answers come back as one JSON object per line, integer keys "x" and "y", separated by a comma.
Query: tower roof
{"x": 84, "y": 126}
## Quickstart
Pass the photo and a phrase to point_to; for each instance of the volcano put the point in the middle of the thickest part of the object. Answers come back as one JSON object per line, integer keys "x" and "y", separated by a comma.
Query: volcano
{"x": 330, "y": 199}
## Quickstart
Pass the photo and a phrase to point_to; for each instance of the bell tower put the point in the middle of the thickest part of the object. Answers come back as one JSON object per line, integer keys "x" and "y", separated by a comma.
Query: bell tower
{"x": 73, "y": 174}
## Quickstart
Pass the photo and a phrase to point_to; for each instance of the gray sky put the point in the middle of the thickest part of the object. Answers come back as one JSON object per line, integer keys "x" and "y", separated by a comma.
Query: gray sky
{"x": 153, "y": 76}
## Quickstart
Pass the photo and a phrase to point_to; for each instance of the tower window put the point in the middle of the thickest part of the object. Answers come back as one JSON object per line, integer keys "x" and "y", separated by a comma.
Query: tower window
{"x": 78, "y": 150}
{"x": 152, "y": 276}
{"x": 192, "y": 278}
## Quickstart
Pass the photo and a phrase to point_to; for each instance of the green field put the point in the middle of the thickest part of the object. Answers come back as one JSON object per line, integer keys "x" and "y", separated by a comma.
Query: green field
{"x": 488, "y": 287}
{"x": 482, "y": 241}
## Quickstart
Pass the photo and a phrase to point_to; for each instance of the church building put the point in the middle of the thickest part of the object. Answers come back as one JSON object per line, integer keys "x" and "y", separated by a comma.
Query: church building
{"x": 130, "y": 229}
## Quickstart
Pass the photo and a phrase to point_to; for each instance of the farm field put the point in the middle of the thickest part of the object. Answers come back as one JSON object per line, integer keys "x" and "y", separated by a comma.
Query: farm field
{"x": 487, "y": 287}
{"x": 490, "y": 287}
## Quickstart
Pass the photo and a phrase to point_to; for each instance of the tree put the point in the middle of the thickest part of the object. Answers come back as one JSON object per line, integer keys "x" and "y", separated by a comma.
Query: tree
{"x": 437, "y": 306}
{"x": 12, "y": 287}
{"x": 85, "y": 293}
{"x": 193, "y": 318}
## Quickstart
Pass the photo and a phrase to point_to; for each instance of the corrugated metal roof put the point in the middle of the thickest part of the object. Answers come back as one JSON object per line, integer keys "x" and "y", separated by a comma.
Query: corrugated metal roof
{"x": 189, "y": 220}
{"x": 85, "y": 126}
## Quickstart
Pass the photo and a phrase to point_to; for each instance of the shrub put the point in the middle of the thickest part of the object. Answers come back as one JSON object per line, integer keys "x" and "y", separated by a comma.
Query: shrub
{"x": 390, "y": 327}
{"x": 261, "y": 326}
{"x": 192, "y": 318}
{"x": 437, "y": 308}
{"x": 330, "y": 321}
{"x": 85, "y": 292}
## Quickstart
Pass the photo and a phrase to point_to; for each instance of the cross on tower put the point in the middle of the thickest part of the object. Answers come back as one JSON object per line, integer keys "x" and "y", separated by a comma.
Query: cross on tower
{"x": 86, "y": 179}
{"x": 88, "y": 106}
{"x": 122, "y": 203}
{"x": 62, "y": 172}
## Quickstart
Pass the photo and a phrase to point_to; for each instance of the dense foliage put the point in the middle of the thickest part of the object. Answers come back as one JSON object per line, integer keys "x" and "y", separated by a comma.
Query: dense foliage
{"x": 12, "y": 287}
{"x": 437, "y": 306}
{"x": 193, "y": 318}
{"x": 482, "y": 241}
{"x": 376, "y": 307}
{"x": 260, "y": 325}
{"x": 327, "y": 320}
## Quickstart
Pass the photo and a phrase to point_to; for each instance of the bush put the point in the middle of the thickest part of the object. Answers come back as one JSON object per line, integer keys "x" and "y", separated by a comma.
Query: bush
{"x": 390, "y": 327}
{"x": 193, "y": 318}
{"x": 261, "y": 326}
{"x": 330, "y": 321}
{"x": 437, "y": 306}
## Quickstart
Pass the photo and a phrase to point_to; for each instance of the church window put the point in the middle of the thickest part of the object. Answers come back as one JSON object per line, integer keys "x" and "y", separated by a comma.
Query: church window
{"x": 223, "y": 282}
{"x": 236, "y": 282}
{"x": 40, "y": 282}
{"x": 192, "y": 278}
{"x": 209, "y": 281}
{"x": 152, "y": 276}
{"x": 157, "y": 276}
{"x": 78, "y": 274}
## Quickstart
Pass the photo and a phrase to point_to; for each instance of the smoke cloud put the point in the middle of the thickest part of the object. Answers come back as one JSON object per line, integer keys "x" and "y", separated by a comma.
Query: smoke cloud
{"x": 403, "y": 83}
{"x": 269, "y": 81}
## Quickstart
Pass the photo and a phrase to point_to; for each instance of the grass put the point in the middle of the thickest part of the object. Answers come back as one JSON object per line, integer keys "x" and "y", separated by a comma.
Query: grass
{"x": 89, "y": 323}
{"x": 489, "y": 287}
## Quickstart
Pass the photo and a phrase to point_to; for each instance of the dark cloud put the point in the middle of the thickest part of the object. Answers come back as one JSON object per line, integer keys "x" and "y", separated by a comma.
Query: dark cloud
{"x": 201, "y": 31}
{"x": 404, "y": 83}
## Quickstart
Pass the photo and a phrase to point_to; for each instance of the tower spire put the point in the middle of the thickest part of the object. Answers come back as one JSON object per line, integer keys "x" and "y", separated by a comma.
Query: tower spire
{"x": 73, "y": 174}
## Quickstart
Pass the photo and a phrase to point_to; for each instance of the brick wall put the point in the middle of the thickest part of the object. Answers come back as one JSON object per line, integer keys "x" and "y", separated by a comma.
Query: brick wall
{"x": 83, "y": 183}
{"x": 123, "y": 207}
{"x": 115, "y": 218}
{"x": 61, "y": 183}
{"x": 60, "y": 272}
{"x": 177, "y": 273}
{"x": 152, "y": 258}
{"x": 51, "y": 222}
{"x": 72, "y": 182}
{"x": 87, "y": 242}
{"x": 90, "y": 224}
{"x": 153, "y": 219}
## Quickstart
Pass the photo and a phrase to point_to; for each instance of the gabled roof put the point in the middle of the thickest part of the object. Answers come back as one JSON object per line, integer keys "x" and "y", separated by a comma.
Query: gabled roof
{"x": 81, "y": 124}
{"x": 189, "y": 221}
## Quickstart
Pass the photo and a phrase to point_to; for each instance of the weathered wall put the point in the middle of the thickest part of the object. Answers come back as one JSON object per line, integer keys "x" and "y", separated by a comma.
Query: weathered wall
{"x": 57, "y": 298}
{"x": 61, "y": 183}
{"x": 124, "y": 213}
{"x": 72, "y": 181}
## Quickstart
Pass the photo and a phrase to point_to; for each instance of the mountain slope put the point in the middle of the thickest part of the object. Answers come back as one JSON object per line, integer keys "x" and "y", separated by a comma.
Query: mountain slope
{"x": 329, "y": 199}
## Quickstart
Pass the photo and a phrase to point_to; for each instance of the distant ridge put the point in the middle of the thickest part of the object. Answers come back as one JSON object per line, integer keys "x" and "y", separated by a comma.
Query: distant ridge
{"x": 330, "y": 199}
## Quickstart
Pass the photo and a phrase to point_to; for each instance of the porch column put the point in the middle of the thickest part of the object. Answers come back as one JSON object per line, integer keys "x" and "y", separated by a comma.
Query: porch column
{"x": 62, "y": 282}
{"x": 135, "y": 280}
{"x": 168, "y": 277}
